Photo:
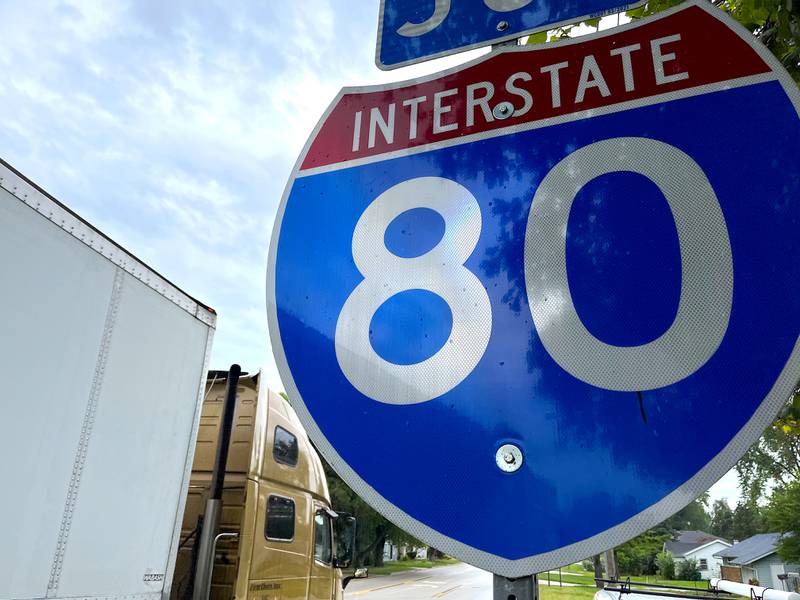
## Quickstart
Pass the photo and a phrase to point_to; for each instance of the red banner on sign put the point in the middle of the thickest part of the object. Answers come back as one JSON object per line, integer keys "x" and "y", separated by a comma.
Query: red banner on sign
{"x": 522, "y": 85}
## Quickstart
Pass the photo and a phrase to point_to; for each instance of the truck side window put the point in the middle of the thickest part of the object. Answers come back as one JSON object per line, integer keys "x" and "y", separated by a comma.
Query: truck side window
{"x": 285, "y": 449}
{"x": 322, "y": 538}
{"x": 280, "y": 519}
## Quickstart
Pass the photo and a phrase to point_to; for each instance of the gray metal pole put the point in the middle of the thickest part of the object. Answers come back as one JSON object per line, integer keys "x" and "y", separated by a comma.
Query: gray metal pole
{"x": 211, "y": 518}
{"x": 522, "y": 588}
{"x": 205, "y": 555}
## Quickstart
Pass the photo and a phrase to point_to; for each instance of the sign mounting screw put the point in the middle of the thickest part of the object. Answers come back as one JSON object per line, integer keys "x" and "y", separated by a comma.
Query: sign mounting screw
{"x": 503, "y": 110}
{"x": 502, "y": 26}
{"x": 508, "y": 458}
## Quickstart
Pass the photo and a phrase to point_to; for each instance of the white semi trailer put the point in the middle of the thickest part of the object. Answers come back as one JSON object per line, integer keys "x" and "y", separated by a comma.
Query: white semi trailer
{"x": 104, "y": 364}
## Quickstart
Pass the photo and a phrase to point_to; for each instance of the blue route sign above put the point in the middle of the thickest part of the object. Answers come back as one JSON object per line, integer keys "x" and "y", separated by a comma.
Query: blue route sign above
{"x": 412, "y": 31}
{"x": 530, "y": 307}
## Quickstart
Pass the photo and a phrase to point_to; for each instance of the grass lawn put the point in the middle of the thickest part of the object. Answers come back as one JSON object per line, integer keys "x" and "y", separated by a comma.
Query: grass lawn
{"x": 576, "y": 574}
{"x": 699, "y": 585}
{"x": 566, "y": 593}
{"x": 398, "y": 566}
{"x": 567, "y": 577}
{"x": 576, "y": 569}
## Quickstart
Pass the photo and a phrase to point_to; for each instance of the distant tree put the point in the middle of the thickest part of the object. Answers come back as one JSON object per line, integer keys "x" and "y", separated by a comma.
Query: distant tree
{"x": 666, "y": 565}
{"x": 638, "y": 556}
{"x": 372, "y": 529}
{"x": 747, "y": 520}
{"x": 783, "y": 516}
{"x": 775, "y": 459}
{"x": 434, "y": 554}
{"x": 693, "y": 516}
{"x": 721, "y": 519}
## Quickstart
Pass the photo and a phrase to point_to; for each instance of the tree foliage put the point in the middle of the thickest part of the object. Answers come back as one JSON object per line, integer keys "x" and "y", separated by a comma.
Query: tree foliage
{"x": 775, "y": 23}
{"x": 372, "y": 529}
{"x": 721, "y": 520}
{"x": 783, "y": 516}
{"x": 747, "y": 520}
{"x": 639, "y": 555}
{"x": 693, "y": 516}
{"x": 775, "y": 459}
{"x": 666, "y": 565}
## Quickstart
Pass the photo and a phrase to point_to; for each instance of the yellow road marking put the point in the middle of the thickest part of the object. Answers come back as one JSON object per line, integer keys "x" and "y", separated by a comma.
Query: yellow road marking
{"x": 440, "y": 594}
{"x": 386, "y": 587}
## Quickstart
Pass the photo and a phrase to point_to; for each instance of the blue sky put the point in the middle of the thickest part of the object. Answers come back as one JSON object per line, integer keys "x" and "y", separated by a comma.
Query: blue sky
{"x": 173, "y": 127}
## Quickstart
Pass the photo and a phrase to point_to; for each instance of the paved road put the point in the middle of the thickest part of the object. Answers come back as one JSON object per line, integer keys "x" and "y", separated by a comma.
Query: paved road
{"x": 456, "y": 582}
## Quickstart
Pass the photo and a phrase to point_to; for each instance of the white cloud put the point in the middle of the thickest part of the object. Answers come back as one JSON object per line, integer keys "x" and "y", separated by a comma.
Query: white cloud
{"x": 727, "y": 488}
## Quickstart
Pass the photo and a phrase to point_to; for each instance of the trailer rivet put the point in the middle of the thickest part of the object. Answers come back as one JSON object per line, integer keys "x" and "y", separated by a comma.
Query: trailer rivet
{"x": 508, "y": 458}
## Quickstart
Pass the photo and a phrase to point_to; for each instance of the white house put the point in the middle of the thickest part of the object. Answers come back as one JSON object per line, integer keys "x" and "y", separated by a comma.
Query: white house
{"x": 700, "y": 546}
{"x": 756, "y": 558}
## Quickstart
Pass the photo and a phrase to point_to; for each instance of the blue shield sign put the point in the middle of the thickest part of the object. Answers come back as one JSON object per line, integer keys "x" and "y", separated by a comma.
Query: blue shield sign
{"x": 412, "y": 31}
{"x": 530, "y": 307}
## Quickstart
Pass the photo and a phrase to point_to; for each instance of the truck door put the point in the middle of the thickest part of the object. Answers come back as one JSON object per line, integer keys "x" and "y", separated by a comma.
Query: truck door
{"x": 282, "y": 544}
{"x": 321, "y": 574}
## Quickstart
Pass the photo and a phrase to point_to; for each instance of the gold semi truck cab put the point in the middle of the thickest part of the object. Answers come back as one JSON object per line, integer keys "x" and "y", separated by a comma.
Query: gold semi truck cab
{"x": 288, "y": 542}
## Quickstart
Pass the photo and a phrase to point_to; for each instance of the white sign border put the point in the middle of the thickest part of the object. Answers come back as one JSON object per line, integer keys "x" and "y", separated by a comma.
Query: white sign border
{"x": 639, "y": 523}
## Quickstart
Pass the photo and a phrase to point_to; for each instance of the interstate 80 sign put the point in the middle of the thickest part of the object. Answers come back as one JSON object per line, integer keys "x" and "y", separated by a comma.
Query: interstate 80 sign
{"x": 530, "y": 307}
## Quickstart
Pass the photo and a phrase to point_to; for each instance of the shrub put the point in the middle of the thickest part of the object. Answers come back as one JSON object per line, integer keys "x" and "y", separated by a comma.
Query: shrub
{"x": 688, "y": 571}
{"x": 666, "y": 565}
{"x": 628, "y": 563}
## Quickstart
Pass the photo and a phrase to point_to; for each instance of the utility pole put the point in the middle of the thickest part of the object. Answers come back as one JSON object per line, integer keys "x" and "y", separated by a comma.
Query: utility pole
{"x": 611, "y": 565}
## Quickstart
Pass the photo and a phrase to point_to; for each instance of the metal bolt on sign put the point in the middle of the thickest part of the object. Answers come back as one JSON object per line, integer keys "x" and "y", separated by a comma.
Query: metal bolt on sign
{"x": 509, "y": 458}
{"x": 503, "y": 110}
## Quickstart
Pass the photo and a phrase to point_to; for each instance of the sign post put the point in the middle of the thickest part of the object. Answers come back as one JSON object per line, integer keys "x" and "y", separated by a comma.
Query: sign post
{"x": 567, "y": 275}
{"x": 524, "y": 588}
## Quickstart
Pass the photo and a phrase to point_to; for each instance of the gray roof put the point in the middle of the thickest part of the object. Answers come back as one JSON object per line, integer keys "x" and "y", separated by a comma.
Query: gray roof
{"x": 751, "y": 549}
{"x": 688, "y": 541}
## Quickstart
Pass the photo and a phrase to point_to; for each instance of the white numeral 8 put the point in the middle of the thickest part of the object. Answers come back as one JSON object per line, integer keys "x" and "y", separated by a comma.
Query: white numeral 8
{"x": 441, "y": 271}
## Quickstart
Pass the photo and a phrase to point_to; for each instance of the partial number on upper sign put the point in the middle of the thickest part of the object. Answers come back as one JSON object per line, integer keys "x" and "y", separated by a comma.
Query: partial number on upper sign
{"x": 410, "y": 31}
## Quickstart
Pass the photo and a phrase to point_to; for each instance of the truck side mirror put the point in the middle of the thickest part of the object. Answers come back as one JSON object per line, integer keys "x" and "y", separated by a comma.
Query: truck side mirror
{"x": 361, "y": 573}
{"x": 344, "y": 527}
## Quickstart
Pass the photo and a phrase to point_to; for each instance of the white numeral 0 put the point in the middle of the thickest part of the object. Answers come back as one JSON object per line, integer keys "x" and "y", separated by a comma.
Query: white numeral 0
{"x": 441, "y": 271}
{"x": 706, "y": 268}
